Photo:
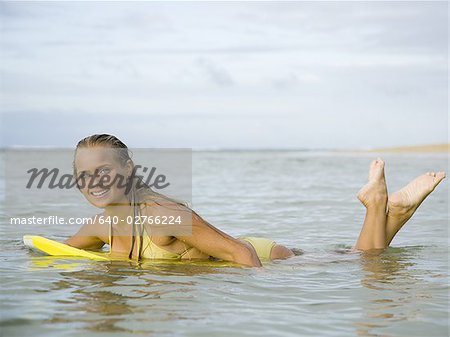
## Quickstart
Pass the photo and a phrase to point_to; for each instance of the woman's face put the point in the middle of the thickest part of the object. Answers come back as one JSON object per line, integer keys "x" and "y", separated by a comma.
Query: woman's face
{"x": 101, "y": 177}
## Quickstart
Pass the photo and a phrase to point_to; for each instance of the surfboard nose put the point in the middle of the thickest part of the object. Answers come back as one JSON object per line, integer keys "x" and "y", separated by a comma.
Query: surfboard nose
{"x": 28, "y": 241}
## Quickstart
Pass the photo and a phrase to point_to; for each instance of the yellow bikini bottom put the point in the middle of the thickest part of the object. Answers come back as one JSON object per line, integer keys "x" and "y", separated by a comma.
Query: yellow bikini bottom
{"x": 262, "y": 246}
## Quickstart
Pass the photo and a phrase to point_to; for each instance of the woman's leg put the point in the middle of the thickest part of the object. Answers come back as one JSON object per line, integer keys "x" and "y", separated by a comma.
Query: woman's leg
{"x": 403, "y": 204}
{"x": 379, "y": 229}
{"x": 374, "y": 197}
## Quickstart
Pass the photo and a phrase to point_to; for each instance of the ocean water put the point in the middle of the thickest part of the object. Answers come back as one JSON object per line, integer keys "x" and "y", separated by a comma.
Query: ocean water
{"x": 305, "y": 200}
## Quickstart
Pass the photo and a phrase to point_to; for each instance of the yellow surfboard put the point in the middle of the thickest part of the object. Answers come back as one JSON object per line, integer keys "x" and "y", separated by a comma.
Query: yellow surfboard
{"x": 54, "y": 248}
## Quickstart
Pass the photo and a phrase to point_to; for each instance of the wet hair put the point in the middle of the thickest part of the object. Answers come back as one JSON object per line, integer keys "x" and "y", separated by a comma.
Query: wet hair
{"x": 140, "y": 192}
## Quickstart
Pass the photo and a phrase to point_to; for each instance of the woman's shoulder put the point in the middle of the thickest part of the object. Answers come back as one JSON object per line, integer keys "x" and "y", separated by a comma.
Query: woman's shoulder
{"x": 179, "y": 216}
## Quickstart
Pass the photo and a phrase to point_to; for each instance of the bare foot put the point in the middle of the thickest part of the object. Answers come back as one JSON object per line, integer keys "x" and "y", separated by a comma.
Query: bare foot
{"x": 375, "y": 191}
{"x": 374, "y": 197}
{"x": 403, "y": 204}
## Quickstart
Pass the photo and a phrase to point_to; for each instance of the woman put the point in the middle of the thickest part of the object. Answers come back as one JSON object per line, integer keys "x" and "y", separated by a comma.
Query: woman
{"x": 104, "y": 158}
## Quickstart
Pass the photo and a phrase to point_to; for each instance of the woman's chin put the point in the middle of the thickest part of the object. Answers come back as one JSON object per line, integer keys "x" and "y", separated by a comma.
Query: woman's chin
{"x": 100, "y": 204}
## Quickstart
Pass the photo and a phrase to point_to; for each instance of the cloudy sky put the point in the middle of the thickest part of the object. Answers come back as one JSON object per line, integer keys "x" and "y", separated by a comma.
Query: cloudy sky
{"x": 225, "y": 75}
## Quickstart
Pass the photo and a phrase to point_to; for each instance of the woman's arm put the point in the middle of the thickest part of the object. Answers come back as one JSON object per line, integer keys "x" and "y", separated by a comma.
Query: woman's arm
{"x": 86, "y": 238}
{"x": 214, "y": 242}
{"x": 211, "y": 240}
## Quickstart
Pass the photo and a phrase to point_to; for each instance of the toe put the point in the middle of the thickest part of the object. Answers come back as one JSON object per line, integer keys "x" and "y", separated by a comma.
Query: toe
{"x": 440, "y": 176}
{"x": 379, "y": 162}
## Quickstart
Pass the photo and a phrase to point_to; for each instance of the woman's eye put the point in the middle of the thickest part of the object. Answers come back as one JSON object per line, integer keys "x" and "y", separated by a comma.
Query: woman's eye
{"x": 104, "y": 171}
{"x": 84, "y": 176}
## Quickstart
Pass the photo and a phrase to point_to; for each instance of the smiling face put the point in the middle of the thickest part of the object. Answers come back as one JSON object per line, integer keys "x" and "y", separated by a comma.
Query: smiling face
{"x": 101, "y": 177}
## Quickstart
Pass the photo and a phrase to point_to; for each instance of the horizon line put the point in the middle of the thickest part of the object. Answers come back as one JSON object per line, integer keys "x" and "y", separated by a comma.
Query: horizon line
{"x": 427, "y": 147}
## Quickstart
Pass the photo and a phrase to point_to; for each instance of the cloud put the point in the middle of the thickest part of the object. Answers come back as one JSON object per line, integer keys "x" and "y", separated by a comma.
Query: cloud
{"x": 191, "y": 62}
{"x": 215, "y": 73}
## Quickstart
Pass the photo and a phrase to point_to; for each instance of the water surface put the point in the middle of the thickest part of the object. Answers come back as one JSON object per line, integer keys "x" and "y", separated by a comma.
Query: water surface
{"x": 300, "y": 199}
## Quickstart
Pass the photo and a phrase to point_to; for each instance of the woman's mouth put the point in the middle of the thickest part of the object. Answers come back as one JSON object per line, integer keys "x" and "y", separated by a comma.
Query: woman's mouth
{"x": 99, "y": 194}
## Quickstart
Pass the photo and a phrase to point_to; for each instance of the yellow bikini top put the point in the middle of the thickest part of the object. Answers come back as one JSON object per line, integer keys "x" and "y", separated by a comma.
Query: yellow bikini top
{"x": 151, "y": 250}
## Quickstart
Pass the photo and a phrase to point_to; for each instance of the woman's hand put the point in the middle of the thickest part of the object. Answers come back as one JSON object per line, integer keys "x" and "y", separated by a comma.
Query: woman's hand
{"x": 87, "y": 237}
